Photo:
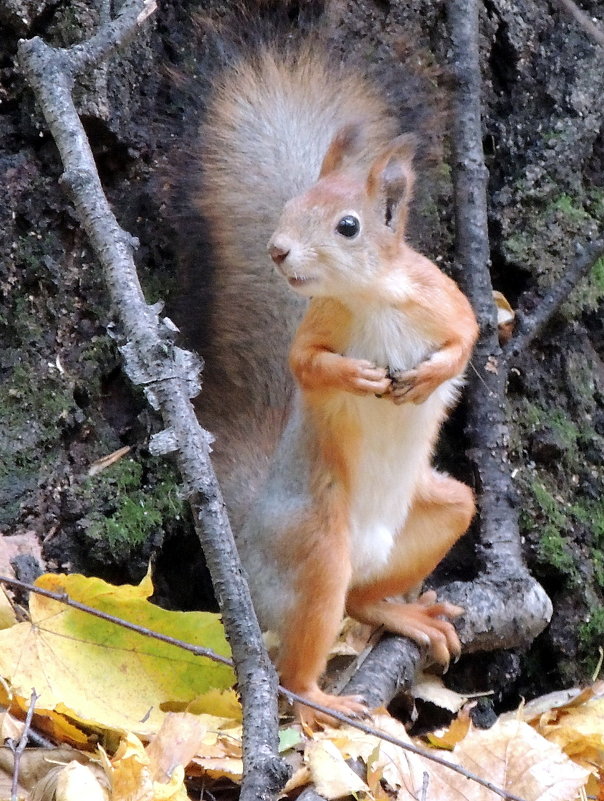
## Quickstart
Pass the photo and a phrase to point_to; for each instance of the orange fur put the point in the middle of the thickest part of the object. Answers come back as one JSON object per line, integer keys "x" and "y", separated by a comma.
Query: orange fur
{"x": 371, "y": 293}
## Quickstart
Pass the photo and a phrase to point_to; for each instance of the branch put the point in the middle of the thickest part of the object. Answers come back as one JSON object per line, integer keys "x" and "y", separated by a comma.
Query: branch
{"x": 486, "y": 427}
{"x": 584, "y": 21}
{"x": 20, "y": 747}
{"x": 529, "y": 327}
{"x": 290, "y": 696}
{"x": 168, "y": 375}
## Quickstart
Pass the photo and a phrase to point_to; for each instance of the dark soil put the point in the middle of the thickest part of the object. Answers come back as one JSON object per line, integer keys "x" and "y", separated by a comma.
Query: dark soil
{"x": 64, "y": 402}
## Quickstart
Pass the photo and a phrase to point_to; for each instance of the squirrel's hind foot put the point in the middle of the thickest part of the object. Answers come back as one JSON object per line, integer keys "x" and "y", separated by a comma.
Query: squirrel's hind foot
{"x": 421, "y": 621}
{"x": 350, "y": 705}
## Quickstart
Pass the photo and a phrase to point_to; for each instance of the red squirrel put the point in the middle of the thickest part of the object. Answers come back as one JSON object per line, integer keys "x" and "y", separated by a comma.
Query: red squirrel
{"x": 334, "y": 502}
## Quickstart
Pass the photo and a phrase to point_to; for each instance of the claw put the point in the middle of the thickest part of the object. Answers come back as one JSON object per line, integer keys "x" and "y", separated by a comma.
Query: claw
{"x": 353, "y": 706}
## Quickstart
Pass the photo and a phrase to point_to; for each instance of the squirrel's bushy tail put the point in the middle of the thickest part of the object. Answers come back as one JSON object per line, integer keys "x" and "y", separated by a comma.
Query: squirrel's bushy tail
{"x": 268, "y": 126}
{"x": 270, "y": 117}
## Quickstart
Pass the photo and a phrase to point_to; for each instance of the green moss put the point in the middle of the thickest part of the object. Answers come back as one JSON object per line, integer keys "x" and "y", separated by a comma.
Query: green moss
{"x": 591, "y": 637}
{"x": 595, "y": 203}
{"x": 564, "y": 428}
{"x": 554, "y": 551}
{"x": 130, "y": 509}
{"x": 533, "y": 417}
{"x": 597, "y": 272}
{"x": 551, "y": 520}
{"x": 567, "y": 206}
{"x": 518, "y": 246}
{"x": 591, "y": 514}
{"x": 32, "y": 402}
{"x": 597, "y": 561}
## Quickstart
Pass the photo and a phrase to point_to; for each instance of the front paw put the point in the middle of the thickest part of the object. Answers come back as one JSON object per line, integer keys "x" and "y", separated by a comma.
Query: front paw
{"x": 362, "y": 377}
{"x": 414, "y": 386}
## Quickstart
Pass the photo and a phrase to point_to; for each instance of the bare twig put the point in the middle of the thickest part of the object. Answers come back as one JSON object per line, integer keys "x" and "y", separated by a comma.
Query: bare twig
{"x": 63, "y": 598}
{"x": 486, "y": 428}
{"x": 290, "y": 696}
{"x": 413, "y": 749}
{"x": 530, "y": 326}
{"x": 20, "y": 747}
{"x": 166, "y": 372}
{"x": 590, "y": 28}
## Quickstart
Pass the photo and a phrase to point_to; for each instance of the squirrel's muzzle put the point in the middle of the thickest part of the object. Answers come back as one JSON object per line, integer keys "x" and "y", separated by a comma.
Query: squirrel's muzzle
{"x": 278, "y": 254}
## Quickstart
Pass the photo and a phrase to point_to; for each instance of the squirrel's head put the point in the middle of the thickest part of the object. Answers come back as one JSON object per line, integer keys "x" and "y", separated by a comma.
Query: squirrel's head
{"x": 342, "y": 233}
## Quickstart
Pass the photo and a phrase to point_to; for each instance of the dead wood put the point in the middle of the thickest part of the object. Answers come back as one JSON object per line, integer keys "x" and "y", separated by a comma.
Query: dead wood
{"x": 168, "y": 375}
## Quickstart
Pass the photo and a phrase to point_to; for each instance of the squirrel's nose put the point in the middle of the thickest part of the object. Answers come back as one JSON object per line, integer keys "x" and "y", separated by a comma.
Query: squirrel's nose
{"x": 278, "y": 254}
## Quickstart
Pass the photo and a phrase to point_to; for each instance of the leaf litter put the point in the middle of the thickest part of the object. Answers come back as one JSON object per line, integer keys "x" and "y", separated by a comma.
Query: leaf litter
{"x": 147, "y": 719}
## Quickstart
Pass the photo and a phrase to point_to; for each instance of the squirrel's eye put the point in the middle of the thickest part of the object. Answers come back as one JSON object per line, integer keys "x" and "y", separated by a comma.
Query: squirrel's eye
{"x": 348, "y": 226}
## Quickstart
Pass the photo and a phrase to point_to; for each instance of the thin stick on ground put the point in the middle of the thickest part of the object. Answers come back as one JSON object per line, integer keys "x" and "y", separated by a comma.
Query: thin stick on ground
{"x": 168, "y": 375}
{"x": 19, "y": 748}
{"x": 63, "y": 598}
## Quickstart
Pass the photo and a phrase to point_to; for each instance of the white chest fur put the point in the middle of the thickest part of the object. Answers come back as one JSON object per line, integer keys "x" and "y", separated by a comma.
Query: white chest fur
{"x": 395, "y": 441}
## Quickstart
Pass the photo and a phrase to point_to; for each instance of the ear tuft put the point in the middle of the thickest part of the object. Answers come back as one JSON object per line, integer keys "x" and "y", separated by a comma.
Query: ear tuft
{"x": 346, "y": 142}
{"x": 390, "y": 181}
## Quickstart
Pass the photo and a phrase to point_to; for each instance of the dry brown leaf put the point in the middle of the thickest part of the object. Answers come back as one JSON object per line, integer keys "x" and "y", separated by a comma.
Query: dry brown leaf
{"x": 300, "y": 772}
{"x": 456, "y": 732}
{"x": 330, "y": 774}
{"x": 11, "y": 728}
{"x": 431, "y": 688}
{"x": 217, "y": 767}
{"x": 219, "y": 754}
{"x": 352, "y": 639}
{"x": 7, "y": 760}
{"x": 574, "y": 719}
{"x": 36, "y": 764}
{"x": 514, "y": 757}
{"x": 540, "y": 709}
{"x": 76, "y": 782}
{"x": 176, "y": 743}
{"x": 511, "y": 755}
{"x": 579, "y": 731}
{"x": 45, "y": 721}
{"x": 132, "y": 776}
{"x": 299, "y": 778}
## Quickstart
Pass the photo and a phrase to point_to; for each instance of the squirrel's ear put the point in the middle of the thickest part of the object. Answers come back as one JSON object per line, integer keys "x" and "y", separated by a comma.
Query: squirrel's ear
{"x": 345, "y": 143}
{"x": 390, "y": 181}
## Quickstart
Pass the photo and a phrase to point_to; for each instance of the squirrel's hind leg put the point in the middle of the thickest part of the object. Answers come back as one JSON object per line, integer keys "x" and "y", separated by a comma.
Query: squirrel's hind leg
{"x": 321, "y": 570}
{"x": 441, "y": 512}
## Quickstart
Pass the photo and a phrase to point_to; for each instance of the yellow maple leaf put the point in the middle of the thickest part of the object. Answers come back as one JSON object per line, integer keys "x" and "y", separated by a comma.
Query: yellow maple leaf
{"x": 101, "y": 674}
{"x": 453, "y": 734}
{"x": 221, "y": 703}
